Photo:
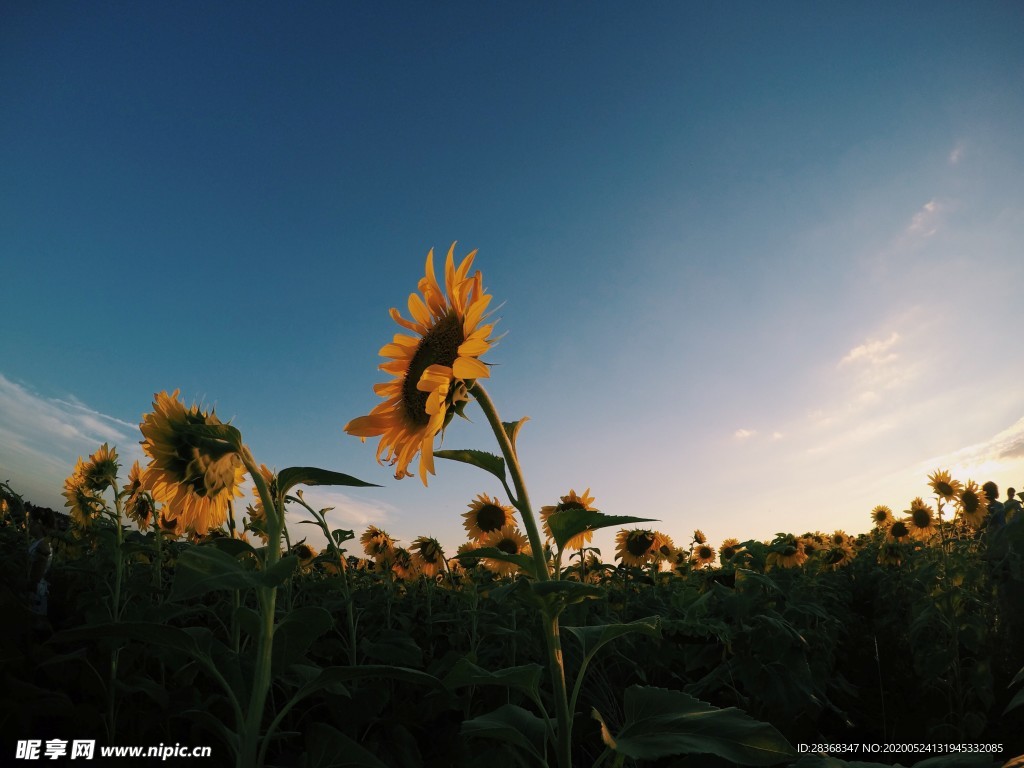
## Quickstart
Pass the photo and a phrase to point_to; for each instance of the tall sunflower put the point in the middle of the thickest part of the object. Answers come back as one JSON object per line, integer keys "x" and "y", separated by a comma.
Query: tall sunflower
{"x": 195, "y": 482}
{"x": 729, "y": 549}
{"x": 138, "y": 505}
{"x": 485, "y": 516}
{"x": 427, "y": 555}
{"x": 100, "y": 472}
{"x": 943, "y": 484}
{"x": 881, "y": 516}
{"x": 922, "y": 520}
{"x": 972, "y": 503}
{"x": 570, "y": 501}
{"x": 376, "y": 542}
{"x": 432, "y": 370}
{"x": 84, "y": 502}
{"x": 786, "y": 552}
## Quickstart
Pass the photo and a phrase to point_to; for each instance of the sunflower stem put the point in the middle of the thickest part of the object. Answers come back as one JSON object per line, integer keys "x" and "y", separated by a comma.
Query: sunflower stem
{"x": 552, "y": 638}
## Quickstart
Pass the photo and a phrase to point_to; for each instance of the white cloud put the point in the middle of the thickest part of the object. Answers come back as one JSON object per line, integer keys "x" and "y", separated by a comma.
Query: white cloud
{"x": 925, "y": 222}
{"x": 873, "y": 352}
{"x": 744, "y": 434}
{"x": 999, "y": 455}
{"x": 957, "y": 153}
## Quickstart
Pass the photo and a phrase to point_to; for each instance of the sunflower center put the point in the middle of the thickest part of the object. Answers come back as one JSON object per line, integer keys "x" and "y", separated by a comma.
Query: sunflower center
{"x": 944, "y": 489}
{"x": 439, "y": 346}
{"x": 638, "y": 544}
{"x": 727, "y": 553}
{"x": 705, "y": 553}
{"x": 899, "y": 530}
{"x": 970, "y": 502}
{"x": 508, "y": 546}
{"x": 490, "y": 517}
{"x": 921, "y": 518}
{"x": 570, "y": 505}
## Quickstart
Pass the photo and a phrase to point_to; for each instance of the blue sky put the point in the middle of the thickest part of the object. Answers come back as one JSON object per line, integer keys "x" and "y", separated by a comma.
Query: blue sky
{"x": 759, "y": 265}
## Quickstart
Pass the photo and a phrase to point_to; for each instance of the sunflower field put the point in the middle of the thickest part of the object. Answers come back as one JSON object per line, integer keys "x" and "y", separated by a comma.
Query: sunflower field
{"x": 173, "y": 615}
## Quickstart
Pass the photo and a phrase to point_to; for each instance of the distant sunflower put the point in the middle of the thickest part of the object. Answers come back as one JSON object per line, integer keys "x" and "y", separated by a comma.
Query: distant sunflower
{"x": 427, "y": 555}
{"x": 840, "y": 539}
{"x": 703, "y": 555}
{"x": 890, "y": 553}
{"x": 972, "y": 503}
{"x": 195, "y": 483}
{"x": 943, "y": 484}
{"x": 838, "y": 556}
{"x": 635, "y": 547}
{"x": 787, "y": 552}
{"x": 138, "y": 505}
{"x": 469, "y": 546}
{"x": 881, "y": 516}
{"x": 570, "y": 501}
{"x": 306, "y": 555}
{"x": 899, "y": 530}
{"x": 376, "y": 542}
{"x": 699, "y": 537}
{"x": 510, "y": 541}
{"x": 432, "y": 370}
{"x": 485, "y": 516}
{"x": 402, "y": 564}
{"x": 729, "y": 549}
{"x": 100, "y": 472}
{"x": 921, "y": 521}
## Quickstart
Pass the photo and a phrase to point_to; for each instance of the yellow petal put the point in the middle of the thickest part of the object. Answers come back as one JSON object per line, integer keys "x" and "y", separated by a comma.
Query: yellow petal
{"x": 470, "y": 368}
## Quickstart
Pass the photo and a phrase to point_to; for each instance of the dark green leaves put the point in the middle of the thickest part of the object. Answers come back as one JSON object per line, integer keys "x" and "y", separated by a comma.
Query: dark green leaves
{"x": 567, "y": 523}
{"x": 488, "y": 461}
{"x": 293, "y": 476}
{"x": 204, "y": 569}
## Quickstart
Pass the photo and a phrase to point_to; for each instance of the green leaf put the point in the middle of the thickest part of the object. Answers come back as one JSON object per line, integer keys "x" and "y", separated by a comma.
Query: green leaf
{"x": 592, "y": 638}
{"x": 292, "y": 476}
{"x": 493, "y": 464}
{"x": 525, "y": 678}
{"x": 214, "y": 438}
{"x": 202, "y": 569}
{"x": 393, "y": 647}
{"x": 512, "y": 430}
{"x": 660, "y": 723}
{"x": 233, "y": 547}
{"x": 327, "y": 747}
{"x": 513, "y": 725}
{"x": 567, "y": 523}
{"x": 296, "y": 632}
{"x": 1015, "y": 702}
{"x": 525, "y": 562}
{"x": 556, "y": 595}
{"x": 331, "y": 677}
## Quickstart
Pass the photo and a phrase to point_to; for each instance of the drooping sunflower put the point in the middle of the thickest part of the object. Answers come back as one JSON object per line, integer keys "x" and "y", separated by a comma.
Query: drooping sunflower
{"x": 138, "y": 505}
{"x": 837, "y": 556}
{"x": 972, "y": 504}
{"x": 699, "y": 537}
{"x": 469, "y": 546}
{"x": 635, "y": 547}
{"x": 427, "y": 555}
{"x": 376, "y": 542}
{"x": 510, "y": 541}
{"x": 195, "y": 482}
{"x": 100, "y": 472}
{"x": 485, "y": 516}
{"x": 402, "y": 565}
{"x": 305, "y": 553}
{"x": 899, "y": 530}
{"x": 943, "y": 484}
{"x": 881, "y": 516}
{"x": 921, "y": 520}
{"x": 703, "y": 555}
{"x": 570, "y": 501}
{"x": 432, "y": 370}
{"x": 891, "y": 553}
{"x": 84, "y": 503}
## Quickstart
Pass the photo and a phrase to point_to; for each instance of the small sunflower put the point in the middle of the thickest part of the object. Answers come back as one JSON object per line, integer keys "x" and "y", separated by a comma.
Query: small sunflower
{"x": 899, "y": 530}
{"x": 972, "y": 503}
{"x": 195, "y": 483}
{"x": 729, "y": 549}
{"x": 402, "y": 564}
{"x": 138, "y": 505}
{"x": 433, "y": 370}
{"x": 699, "y": 537}
{"x": 943, "y": 484}
{"x": 171, "y": 525}
{"x": 100, "y": 472}
{"x": 838, "y": 556}
{"x": 921, "y": 521}
{"x": 703, "y": 555}
{"x": 84, "y": 503}
{"x": 469, "y": 546}
{"x": 840, "y": 539}
{"x": 427, "y": 555}
{"x": 787, "y": 552}
{"x": 891, "y": 553}
{"x": 635, "y": 547}
{"x": 376, "y": 542}
{"x": 510, "y": 541}
{"x": 881, "y": 516}
{"x": 570, "y": 501}
{"x": 485, "y": 516}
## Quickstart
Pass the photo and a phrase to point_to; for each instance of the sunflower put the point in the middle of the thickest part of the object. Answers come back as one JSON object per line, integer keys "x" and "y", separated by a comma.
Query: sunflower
{"x": 571, "y": 501}
{"x": 921, "y": 521}
{"x": 138, "y": 505}
{"x": 510, "y": 541}
{"x": 838, "y": 556}
{"x": 699, "y": 537}
{"x": 840, "y": 539}
{"x": 100, "y": 472}
{"x": 84, "y": 503}
{"x": 402, "y": 565}
{"x": 703, "y": 555}
{"x": 663, "y": 547}
{"x": 890, "y": 553}
{"x": 635, "y": 547}
{"x": 943, "y": 484}
{"x": 881, "y": 516}
{"x": 377, "y": 543}
{"x": 194, "y": 482}
{"x": 170, "y": 524}
{"x": 427, "y": 555}
{"x": 972, "y": 504}
{"x": 485, "y": 516}
{"x": 787, "y": 552}
{"x": 812, "y": 542}
{"x": 899, "y": 530}
{"x": 469, "y": 546}
{"x": 433, "y": 370}
{"x": 729, "y": 549}
{"x": 306, "y": 555}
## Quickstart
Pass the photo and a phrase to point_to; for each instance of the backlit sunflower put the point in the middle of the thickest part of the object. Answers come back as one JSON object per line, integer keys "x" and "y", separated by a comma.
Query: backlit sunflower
{"x": 376, "y": 542}
{"x": 787, "y": 552}
{"x": 729, "y": 549}
{"x": 838, "y": 556}
{"x": 306, "y": 555}
{"x": 485, "y": 516}
{"x": 469, "y": 546}
{"x": 84, "y": 503}
{"x": 635, "y": 547}
{"x": 881, "y": 516}
{"x": 138, "y": 505}
{"x": 427, "y": 555}
{"x": 402, "y": 565}
{"x": 899, "y": 530}
{"x": 432, "y": 370}
{"x": 943, "y": 484}
{"x": 571, "y": 501}
{"x": 921, "y": 521}
{"x": 195, "y": 482}
{"x": 699, "y": 537}
{"x": 510, "y": 541}
{"x": 891, "y": 553}
{"x": 100, "y": 472}
{"x": 703, "y": 555}
{"x": 972, "y": 503}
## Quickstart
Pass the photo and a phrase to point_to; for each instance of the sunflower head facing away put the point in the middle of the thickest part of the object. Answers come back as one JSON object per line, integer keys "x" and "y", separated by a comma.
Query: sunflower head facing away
{"x": 139, "y": 504}
{"x": 377, "y": 543}
{"x": 510, "y": 541}
{"x": 195, "y": 481}
{"x": 84, "y": 503}
{"x": 570, "y": 501}
{"x": 431, "y": 370}
{"x": 485, "y": 516}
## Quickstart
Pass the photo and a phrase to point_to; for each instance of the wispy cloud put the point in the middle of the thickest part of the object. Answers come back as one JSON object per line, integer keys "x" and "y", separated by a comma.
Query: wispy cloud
{"x": 876, "y": 352}
{"x": 925, "y": 222}
{"x": 998, "y": 455}
{"x": 957, "y": 153}
{"x": 744, "y": 434}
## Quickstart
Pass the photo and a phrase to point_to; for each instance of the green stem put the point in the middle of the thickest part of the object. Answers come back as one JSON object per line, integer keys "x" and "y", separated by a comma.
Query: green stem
{"x": 552, "y": 639}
